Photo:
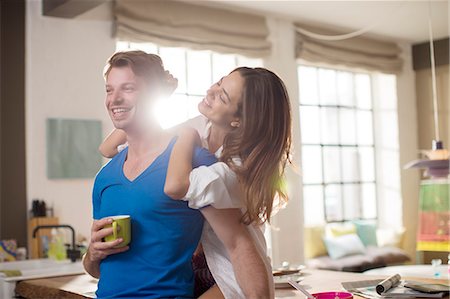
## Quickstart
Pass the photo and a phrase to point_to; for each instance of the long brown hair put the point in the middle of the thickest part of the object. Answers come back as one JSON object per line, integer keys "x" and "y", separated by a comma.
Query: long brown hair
{"x": 262, "y": 141}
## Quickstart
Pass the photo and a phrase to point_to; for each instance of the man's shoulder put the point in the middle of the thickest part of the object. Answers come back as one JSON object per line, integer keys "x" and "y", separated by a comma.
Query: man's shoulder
{"x": 107, "y": 170}
{"x": 203, "y": 157}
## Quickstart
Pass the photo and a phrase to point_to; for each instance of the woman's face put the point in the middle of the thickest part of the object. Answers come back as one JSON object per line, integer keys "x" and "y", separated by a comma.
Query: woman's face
{"x": 222, "y": 100}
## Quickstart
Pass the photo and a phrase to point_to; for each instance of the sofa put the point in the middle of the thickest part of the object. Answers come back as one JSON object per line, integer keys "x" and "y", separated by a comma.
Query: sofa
{"x": 355, "y": 246}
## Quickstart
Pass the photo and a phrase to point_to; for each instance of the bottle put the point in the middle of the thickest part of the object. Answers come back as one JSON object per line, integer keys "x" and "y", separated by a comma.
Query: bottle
{"x": 56, "y": 248}
{"x": 448, "y": 263}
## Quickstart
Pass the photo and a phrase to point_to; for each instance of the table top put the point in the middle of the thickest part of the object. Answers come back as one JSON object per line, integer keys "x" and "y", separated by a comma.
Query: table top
{"x": 425, "y": 271}
{"x": 73, "y": 287}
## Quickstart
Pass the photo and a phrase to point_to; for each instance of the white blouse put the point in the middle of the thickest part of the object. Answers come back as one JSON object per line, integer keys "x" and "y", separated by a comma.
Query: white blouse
{"x": 217, "y": 185}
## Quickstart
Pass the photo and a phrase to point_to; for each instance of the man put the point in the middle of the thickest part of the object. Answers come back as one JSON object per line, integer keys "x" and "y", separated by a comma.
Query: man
{"x": 165, "y": 232}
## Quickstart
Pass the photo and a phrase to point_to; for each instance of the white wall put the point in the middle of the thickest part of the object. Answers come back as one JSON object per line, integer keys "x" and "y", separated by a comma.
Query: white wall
{"x": 408, "y": 140}
{"x": 64, "y": 64}
{"x": 287, "y": 232}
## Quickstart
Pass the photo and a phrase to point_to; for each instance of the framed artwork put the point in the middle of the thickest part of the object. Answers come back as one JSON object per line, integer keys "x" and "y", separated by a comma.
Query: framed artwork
{"x": 72, "y": 148}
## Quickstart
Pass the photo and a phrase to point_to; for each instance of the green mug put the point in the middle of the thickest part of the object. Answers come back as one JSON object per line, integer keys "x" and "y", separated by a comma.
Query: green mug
{"x": 123, "y": 222}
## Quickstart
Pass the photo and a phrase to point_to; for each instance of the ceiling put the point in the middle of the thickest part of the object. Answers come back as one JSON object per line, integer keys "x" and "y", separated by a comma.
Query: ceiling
{"x": 394, "y": 20}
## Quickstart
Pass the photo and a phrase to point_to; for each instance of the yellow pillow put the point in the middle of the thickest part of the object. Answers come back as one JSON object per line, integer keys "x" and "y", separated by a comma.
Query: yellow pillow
{"x": 337, "y": 230}
{"x": 313, "y": 242}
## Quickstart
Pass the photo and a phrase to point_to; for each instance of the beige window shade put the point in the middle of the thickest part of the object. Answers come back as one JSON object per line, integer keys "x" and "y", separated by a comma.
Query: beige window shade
{"x": 173, "y": 23}
{"x": 360, "y": 52}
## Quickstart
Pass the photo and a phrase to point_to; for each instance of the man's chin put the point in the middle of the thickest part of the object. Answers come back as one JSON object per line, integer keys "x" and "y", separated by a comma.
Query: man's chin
{"x": 121, "y": 124}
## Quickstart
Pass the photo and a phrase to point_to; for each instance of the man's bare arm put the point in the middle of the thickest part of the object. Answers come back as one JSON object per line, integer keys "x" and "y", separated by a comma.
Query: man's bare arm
{"x": 248, "y": 265}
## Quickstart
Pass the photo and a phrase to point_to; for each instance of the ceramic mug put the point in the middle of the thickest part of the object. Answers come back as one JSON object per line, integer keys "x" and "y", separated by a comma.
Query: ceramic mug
{"x": 333, "y": 295}
{"x": 121, "y": 226}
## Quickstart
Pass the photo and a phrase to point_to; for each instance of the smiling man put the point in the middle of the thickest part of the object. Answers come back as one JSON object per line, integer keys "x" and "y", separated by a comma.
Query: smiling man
{"x": 165, "y": 233}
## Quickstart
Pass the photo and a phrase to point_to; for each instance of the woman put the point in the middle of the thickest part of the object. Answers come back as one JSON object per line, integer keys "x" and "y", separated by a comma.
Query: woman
{"x": 249, "y": 127}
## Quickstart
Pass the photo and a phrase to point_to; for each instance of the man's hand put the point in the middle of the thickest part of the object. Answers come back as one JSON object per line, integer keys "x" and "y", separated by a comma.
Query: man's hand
{"x": 99, "y": 250}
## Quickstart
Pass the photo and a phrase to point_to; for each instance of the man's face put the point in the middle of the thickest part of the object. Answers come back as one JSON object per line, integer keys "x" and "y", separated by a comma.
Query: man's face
{"x": 124, "y": 91}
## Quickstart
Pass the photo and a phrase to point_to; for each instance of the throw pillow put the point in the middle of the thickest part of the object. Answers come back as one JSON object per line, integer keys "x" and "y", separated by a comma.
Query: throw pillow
{"x": 345, "y": 245}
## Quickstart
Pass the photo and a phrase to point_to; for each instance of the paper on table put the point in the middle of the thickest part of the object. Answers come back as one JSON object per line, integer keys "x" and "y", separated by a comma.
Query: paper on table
{"x": 388, "y": 283}
{"x": 367, "y": 289}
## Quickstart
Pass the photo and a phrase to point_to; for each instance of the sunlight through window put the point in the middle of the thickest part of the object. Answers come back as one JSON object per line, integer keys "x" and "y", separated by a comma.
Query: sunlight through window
{"x": 195, "y": 70}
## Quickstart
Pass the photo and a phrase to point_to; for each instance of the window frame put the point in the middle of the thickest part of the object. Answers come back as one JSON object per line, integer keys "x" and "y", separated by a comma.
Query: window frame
{"x": 323, "y": 183}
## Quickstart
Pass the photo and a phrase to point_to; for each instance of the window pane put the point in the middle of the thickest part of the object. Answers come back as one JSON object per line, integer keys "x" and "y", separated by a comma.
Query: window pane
{"x": 333, "y": 203}
{"x": 313, "y": 205}
{"x": 168, "y": 116}
{"x": 193, "y": 106}
{"x": 223, "y": 64}
{"x": 363, "y": 91}
{"x": 250, "y": 62}
{"x": 175, "y": 61}
{"x": 390, "y": 171}
{"x": 369, "y": 203}
{"x": 122, "y": 46}
{"x": 311, "y": 164}
{"x": 199, "y": 72}
{"x": 327, "y": 87}
{"x": 352, "y": 201}
{"x": 329, "y": 125}
{"x": 365, "y": 127}
{"x": 345, "y": 88}
{"x": 332, "y": 164}
{"x": 389, "y": 129}
{"x": 387, "y": 92}
{"x": 367, "y": 164}
{"x": 350, "y": 168}
{"x": 309, "y": 124}
{"x": 146, "y": 47}
{"x": 307, "y": 81}
{"x": 347, "y": 122}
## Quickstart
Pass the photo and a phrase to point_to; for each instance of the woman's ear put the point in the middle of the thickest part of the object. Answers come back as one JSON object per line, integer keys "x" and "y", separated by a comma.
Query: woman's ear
{"x": 235, "y": 124}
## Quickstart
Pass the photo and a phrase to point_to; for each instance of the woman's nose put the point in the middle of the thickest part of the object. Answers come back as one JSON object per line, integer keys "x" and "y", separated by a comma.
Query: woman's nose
{"x": 211, "y": 92}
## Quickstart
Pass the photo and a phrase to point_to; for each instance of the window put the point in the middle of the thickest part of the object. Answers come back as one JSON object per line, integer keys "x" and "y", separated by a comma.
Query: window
{"x": 196, "y": 71}
{"x": 338, "y": 145}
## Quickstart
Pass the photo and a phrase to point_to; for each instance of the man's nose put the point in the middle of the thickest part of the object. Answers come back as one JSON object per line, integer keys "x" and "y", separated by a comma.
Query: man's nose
{"x": 117, "y": 98}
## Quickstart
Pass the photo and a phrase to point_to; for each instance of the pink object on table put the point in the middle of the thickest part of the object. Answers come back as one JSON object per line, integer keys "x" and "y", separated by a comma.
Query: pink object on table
{"x": 333, "y": 295}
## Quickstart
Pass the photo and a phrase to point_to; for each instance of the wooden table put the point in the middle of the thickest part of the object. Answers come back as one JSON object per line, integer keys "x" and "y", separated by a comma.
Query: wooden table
{"x": 73, "y": 287}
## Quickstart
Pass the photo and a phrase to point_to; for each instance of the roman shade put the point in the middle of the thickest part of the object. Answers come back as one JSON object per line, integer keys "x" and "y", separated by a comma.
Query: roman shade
{"x": 174, "y": 23}
{"x": 360, "y": 52}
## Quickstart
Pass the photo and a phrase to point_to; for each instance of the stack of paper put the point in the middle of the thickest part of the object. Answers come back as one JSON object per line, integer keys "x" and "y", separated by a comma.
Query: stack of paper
{"x": 393, "y": 287}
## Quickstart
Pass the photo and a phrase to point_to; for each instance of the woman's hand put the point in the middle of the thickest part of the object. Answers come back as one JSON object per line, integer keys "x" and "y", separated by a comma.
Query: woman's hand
{"x": 171, "y": 83}
{"x": 99, "y": 250}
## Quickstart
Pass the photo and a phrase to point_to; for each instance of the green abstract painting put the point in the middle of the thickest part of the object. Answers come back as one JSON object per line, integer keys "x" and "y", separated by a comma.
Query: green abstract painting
{"x": 72, "y": 148}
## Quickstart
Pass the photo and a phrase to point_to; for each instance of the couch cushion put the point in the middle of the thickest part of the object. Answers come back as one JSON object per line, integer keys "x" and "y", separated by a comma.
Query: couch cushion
{"x": 353, "y": 263}
{"x": 367, "y": 231}
{"x": 340, "y": 229}
{"x": 388, "y": 255}
{"x": 345, "y": 245}
{"x": 313, "y": 237}
{"x": 390, "y": 237}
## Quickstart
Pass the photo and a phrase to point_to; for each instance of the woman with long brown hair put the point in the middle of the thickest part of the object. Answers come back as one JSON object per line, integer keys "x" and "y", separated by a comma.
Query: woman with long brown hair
{"x": 249, "y": 130}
